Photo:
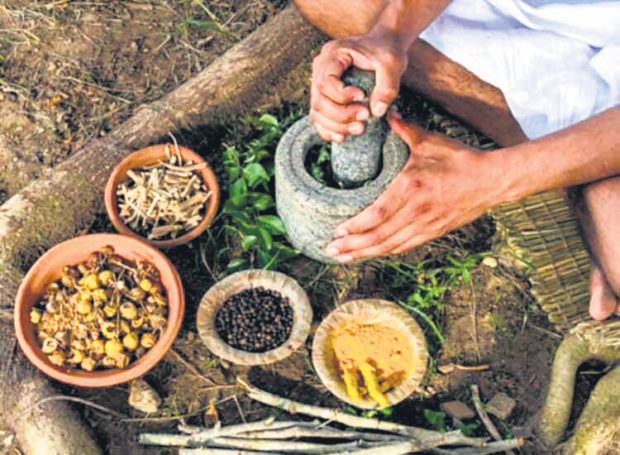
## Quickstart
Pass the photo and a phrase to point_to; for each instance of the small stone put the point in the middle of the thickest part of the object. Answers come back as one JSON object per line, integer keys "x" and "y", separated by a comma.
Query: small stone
{"x": 447, "y": 368}
{"x": 143, "y": 397}
{"x": 457, "y": 410}
{"x": 501, "y": 405}
{"x": 6, "y": 439}
{"x": 490, "y": 262}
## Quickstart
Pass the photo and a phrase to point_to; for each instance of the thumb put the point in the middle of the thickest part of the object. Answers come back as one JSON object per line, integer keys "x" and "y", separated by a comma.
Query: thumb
{"x": 386, "y": 89}
{"x": 410, "y": 133}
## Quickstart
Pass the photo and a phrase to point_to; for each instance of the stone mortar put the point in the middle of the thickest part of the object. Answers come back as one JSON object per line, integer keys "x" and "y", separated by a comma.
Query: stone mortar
{"x": 311, "y": 210}
{"x": 358, "y": 159}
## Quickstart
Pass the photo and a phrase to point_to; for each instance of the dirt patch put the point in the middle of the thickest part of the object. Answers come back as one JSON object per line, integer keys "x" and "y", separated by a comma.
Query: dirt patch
{"x": 70, "y": 71}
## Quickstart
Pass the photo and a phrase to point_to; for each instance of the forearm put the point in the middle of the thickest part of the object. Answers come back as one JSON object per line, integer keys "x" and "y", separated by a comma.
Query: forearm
{"x": 585, "y": 152}
{"x": 406, "y": 19}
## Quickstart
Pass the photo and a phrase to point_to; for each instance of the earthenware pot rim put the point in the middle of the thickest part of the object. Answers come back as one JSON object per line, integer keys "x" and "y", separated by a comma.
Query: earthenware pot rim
{"x": 43, "y": 272}
{"x": 151, "y": 155}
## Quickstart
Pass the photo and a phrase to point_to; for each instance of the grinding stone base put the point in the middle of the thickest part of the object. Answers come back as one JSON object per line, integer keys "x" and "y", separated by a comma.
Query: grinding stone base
{"x": 311, "y": 210}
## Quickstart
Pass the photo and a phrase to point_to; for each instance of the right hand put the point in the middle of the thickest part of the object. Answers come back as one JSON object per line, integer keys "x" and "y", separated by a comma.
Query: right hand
{"x": 335, "y": 109}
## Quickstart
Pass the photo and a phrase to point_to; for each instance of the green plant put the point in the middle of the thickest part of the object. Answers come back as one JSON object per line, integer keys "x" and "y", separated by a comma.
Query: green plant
{"x": 461, "y": 269}
{"x": 467, "y": 429}
{"x": 250, "y": 205}
{"x": 437, "y": 419}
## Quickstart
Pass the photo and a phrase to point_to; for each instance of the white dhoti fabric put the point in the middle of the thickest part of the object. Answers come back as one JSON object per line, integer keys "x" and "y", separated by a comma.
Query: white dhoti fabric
{"x": 557, "y": 62}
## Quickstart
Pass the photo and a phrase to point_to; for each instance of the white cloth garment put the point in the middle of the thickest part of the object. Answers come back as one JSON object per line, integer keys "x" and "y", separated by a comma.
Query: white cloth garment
{"x": 557, "y": 62}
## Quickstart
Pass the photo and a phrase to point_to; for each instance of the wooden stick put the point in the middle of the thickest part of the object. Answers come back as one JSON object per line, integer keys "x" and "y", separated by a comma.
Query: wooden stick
{"x": 492, "y": 447}
{"x": 336, "y": 415}
{"x": 209, "y": 451}
{"x": 298, "y": 431}
{"x": 399, "y": 448}
{"x": 475, "y": 396}
{"x": 203, "y": 436}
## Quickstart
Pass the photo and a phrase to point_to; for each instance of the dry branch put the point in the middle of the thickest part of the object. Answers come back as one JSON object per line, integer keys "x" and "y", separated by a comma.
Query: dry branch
{"x": 65, "y": 200}
{"x": 335, "y": 415}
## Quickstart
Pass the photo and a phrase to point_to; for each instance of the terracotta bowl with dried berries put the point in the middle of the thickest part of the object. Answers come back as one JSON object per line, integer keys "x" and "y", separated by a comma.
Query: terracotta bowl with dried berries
{"x": 164, "y": 194}
{"x": 99, "y": 310}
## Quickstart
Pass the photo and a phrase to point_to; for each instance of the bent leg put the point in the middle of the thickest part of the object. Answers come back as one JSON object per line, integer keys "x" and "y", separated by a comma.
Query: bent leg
{"x": 600, "y": 220}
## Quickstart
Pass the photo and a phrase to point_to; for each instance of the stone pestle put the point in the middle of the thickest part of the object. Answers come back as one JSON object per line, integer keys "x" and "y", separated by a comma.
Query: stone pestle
{"x": 357, "y": 160}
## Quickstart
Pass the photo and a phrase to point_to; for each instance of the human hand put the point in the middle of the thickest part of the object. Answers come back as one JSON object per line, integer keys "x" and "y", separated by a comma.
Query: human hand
{"x": 336, "y": 109}
{"x": 443, "y": 185}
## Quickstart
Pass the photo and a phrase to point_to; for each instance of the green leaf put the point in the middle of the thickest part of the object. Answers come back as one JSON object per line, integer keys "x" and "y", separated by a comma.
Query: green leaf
{"x": 237, "y": 264}
{"x": 264, "y": 238}
{"x": 437, "y": 419}
{"x": 467, "y": 430}
{"x": 248, "y": 241}
{"x": 239, "y": 201}
{"x": 255, "y": 174}
{"x": 233, "y": 172}
{"x": 466, "y": 276}
{"x": 272, "y": 223}
{"x": 268, "y": 119}
{"x": 260, "y": 201}
{"x": 285, "y": 251}
{"x": 238, "y": 188}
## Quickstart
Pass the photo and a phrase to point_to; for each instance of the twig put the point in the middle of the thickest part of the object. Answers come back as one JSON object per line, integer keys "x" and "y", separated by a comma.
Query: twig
{"x": 475, "y": 396}
{"x": 297, "y": 447}
{"x": 193, "y": 369}
{"x": 204, "y": 451}
{"x": 474, "y": 315}
{"x": 401, "y": 448}
{"x": 304, "y": 431}
{"x": 352, "y": 421}
{"x": 203, "y": 436}
{"x": 66, "y": 398}
{"x": 236, "y": 400}
{"x": 492, "y": 447}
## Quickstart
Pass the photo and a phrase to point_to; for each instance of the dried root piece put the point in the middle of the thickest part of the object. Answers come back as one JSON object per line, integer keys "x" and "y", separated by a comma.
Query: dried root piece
{"x": 164, "y": 200}
{"x": 589, "y": 340}
{"x": 598, "y": 428}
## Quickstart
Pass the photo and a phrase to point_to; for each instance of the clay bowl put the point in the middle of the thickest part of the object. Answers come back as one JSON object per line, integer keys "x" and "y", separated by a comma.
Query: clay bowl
{"x": 369, "y": 311}
{"x": 247, "y": 279}
{"x": 152, "y": 155}
{"x": 47, "y": 269}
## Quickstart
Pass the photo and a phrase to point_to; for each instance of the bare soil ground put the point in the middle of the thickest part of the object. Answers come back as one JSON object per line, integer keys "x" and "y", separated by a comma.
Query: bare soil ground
{"x": 70, "y": 71}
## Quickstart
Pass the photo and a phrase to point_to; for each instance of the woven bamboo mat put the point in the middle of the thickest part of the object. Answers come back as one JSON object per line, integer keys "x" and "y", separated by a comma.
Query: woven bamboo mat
{"x": 542, "y": 230}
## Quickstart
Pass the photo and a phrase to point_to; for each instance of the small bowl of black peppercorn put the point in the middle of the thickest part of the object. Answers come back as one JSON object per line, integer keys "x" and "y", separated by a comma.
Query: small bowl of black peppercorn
{"x": 254, "y": 317}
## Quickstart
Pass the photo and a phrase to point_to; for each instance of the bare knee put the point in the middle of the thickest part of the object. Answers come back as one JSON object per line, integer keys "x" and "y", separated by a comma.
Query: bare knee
{"x": 602, "y": 200}
{"x": 341, "y": 18}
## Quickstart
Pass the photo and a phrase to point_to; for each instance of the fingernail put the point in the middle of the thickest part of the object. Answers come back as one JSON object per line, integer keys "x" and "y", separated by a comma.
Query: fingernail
{"x": 394, "y": 113}
{"x": 331, "y": 251}
{"x": 362, "y": 115}
{"x": 356, "y": 128}
{"x": 359, "y": 97}
{"x": 379, "y": 109}
{"x": 344, "y": 258}
{"x": 340, "y": 232}
{"x": 337, "y": 138}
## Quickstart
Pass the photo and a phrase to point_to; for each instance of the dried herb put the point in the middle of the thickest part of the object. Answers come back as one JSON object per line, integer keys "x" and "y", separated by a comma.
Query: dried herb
{"x": 164, "y": 200}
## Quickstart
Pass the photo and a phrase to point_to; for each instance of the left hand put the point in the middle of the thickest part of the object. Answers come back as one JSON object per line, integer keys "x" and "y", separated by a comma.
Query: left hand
{"x": 444, "y": 184}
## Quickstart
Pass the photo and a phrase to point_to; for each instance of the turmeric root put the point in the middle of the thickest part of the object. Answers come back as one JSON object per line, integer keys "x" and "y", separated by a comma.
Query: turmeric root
{"x": 372, "y": 384}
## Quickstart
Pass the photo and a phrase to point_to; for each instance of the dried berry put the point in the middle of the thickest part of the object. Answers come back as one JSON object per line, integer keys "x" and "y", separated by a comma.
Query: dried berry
{"x": 255, "y": 320}
{"x": 95, "y": 314}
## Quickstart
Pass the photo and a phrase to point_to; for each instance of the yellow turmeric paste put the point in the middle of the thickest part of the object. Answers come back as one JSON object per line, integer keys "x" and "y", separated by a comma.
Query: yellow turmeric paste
{"x": 371, "y": 359}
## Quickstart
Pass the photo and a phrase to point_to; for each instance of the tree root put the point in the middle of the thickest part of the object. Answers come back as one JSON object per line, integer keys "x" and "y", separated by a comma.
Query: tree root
{"x": 589, "y": 340}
